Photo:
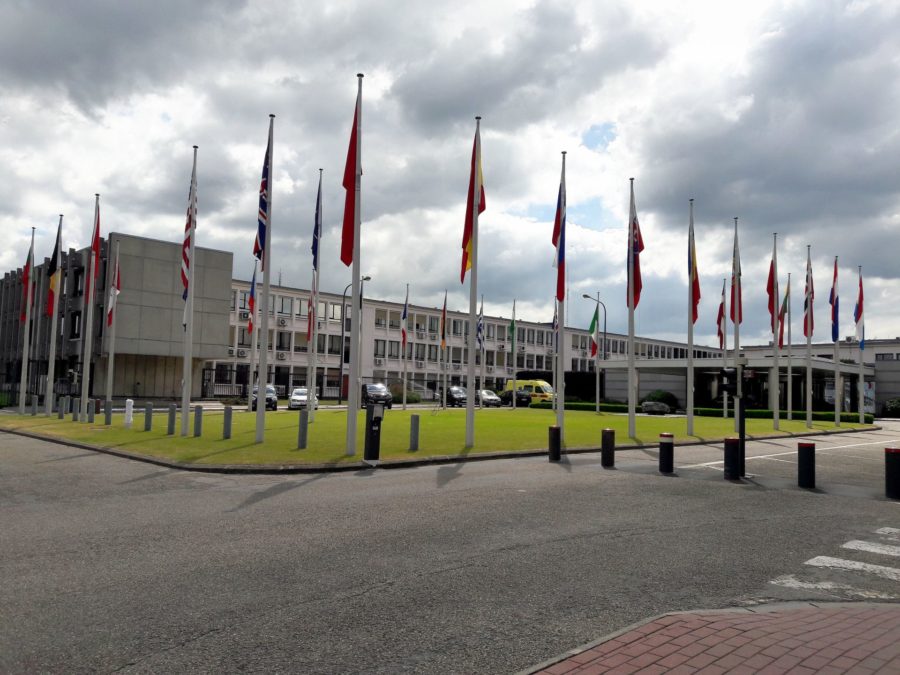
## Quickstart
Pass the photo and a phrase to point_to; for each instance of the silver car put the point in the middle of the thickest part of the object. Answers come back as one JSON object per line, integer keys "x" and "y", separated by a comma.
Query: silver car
{"x": 300, "y": 399}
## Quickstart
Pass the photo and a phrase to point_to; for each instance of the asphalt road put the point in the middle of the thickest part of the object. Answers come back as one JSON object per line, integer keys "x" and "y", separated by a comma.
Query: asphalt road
{"x": 109, "y": 565}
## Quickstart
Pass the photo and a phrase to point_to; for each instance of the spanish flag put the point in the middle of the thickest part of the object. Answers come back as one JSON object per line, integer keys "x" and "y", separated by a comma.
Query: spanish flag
{"x": 54, "y": 270}
{"x": 476, "y": 186}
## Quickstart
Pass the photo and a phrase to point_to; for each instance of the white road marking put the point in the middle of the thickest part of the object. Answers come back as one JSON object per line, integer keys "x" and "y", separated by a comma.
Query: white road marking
{"x": 790, "y": 452}
{"x": 889, "y": 532}
{"x": 790, "y": 581}
{"x": 891, "y": 573}
{"x": 870, "y": 547}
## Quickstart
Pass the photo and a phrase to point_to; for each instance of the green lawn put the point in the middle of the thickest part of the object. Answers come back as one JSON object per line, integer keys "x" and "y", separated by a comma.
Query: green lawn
{"x": 441, "y": 433}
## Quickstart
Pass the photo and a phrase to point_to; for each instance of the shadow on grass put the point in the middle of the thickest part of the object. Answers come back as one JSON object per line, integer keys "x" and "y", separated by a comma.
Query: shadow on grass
{"x": 274, "y": 491}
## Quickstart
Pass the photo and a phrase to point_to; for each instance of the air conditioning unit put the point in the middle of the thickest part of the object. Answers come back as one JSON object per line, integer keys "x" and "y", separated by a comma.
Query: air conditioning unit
{"x": 282, "y": 322}
{"x": 490, "y": 369}
{"x": 231, "y": 351}
{"x": 420, "y": 364}
{"x": 433, "y": 337}
{"x": 521, "y": 348}
{"x": 455, "y": 366}
{"x": 281, "y": 356}
{"x": 550, "y": 352}
{"x": 420, "y": 334}
{"x": 379, "y": 362}
{"x": 245, "y": 315}
{"x": 242, "y": 352}
{"x": 501, "y": 347}
{"x": 584, "y": 352}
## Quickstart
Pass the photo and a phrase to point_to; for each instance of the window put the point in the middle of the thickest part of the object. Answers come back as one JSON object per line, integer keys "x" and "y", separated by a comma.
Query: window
{"x": 520, "y": 335}
{"x": 334, "y": 344}
{"x": 420, "y": 351}
{"x": 529, "y": 361}
{"x": 583, "y": 341}
{"x": 456, "y": 327}
{"x": 379, "y": 349}
{"x": 283, "y": 341}
{"x": 335, "y": 311}
{"x": 530, "y": 336}
{"x": 300, "y": 342}
{"x": 244, "y": 338}
{"x": 884, "y": 357}
{"x": 394, "y": 349}
{"x": 242, "y": 300}
{"x": 233, "y": 299}
{"x": 575, "y": 342}
{"x": 456, "y": 354}
{"x": 285, "y": 305}
{"x": 489, "y": 358}
{"x": 433, "y": 353}
{"x": 434, "y": 324}
{"x": 539, "y": 362}
{"x": 520, "y": 360}
{"x": 75, "y": 326}
{"x": 223, "y": 373}
{"x": 489, "y": 331}
{"x": 321, "y": 339}
{"x": 302, "y": 306}
{"x": 380, "y": 318}
{"x": 540, "y": 337}
{"x": 394, "y": 320}
{"x": 322, "y": 309}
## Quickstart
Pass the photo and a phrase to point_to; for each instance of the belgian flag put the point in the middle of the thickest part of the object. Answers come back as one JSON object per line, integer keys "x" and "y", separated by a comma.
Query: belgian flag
{"x": 54, "y": 271}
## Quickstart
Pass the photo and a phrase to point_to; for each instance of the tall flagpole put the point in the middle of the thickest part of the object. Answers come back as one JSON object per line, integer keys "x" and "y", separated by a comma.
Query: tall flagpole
{"x": 54, "y": 318}
{"x": 405, "y": 342}
{"x": 724, "y": 344}
{"x": 561, "y": 261}
{"x": 515, "y": 330}
{"x": 355, "y": 309}
{"x": 111, "y": 344}
{"x": 481, "y": 351}
{"x": 187, "y": 360}
{"x": 601, "y": 347}
{"x": 263, "y": 338}
{"x": 89, "y": 321}
{"x": 690, "y": 350}
{"x": 861, "y": 339}
{"x": 790, "y": 391}
{"x": 835, "y": 336}
{"x": 313, "y": 348}
{"x": 632, "y": 394}
{"x": 473, "y": 290}
{"x": 26, "y": 337}
{"x": 253, "y": 337}
{"x": 809, "y": 297}
{"x": 737, "y": 308}
{"x": 775, "y": 389}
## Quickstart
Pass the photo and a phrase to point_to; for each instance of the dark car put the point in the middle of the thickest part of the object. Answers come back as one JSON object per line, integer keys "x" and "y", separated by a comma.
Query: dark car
{"x": 487, "y": 398}
{"x": 523, "y": 398}
{"x": 375, "y": 393}
{"x": 456, "y": 396}
{"x": 271, "y": 398}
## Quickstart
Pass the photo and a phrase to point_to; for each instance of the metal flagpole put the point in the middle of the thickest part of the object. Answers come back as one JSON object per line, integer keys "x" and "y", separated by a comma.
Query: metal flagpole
{"x": 251, "y": 377}
{"x": 737, "y": 307}
{"x": 690, "y": 350}
{"x": 724, "y": 344}
{"x": 555, "y": 343}
{"x": 263, "y": 338}
{"x": 808, "y": 332}
{"x": 790, "y": 390}
{"x": 355, "y": 309}
{"x": 861, "y": 339}
{"x": 405, "y": 341}
{"x": 835, "y": 336}
{"x": 26, "y": 336}
{"x": 775, "y": 374}
{"x": 54, "y": 318}
{"x": 187, "y": 362}
{"x": 36, "y": 332}
{"x": 632, "y": 394}
{"x": 111, "y": 344}
{"x": 480, "y": 340}
{"x": 514, "y": 331}
{"x": 473, "y": 290}
{"x": 89, "y": 312}
{"x": 313, "y": 347}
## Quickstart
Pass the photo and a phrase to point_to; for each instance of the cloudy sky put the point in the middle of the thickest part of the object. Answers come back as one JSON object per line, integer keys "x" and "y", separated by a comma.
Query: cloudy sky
{"x": 782, "y": 113}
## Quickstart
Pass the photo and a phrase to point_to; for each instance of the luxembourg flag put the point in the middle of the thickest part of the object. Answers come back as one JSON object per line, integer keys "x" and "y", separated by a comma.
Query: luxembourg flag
{"x": 833, "y": 301}
{"x": 858, "y": 315}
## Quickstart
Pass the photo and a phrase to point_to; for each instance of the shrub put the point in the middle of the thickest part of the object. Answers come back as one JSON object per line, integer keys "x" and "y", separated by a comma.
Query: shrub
{"x": 892, "y": 408}
{"x": 663, "y": 397}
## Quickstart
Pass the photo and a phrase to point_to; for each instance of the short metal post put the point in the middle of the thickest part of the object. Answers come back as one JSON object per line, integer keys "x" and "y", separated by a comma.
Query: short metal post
{"x": 732, "y": 459}
{"x": 555, "y": 453}
{"x": 90, "y": 412}
{"x": 806, "y": 465}
{"x": 61, "y": 411}
{"x": 226, "y": 423}
{"x": 129, "y": 412}
{"x": 173, "y": 412}
{"x": 34, "y": 406}
{"x": 742, "y": 433}
{"x": 148, "y": 416}
{"x": 107, "y": 413}
{"x": 892, "y": 473}
{"x": 303, "y": 429}
{"x": 76, "y": 407}
{"x": 608, "y": 449}
{"x": 666, "y": 453}
{"x": 413, "y": 433}
{"x": 198, "y": 421}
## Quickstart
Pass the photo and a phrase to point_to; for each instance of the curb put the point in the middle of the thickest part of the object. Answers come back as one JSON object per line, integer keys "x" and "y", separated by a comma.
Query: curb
{"x": 756, "y": 609}
{"x": 384, "y": 464}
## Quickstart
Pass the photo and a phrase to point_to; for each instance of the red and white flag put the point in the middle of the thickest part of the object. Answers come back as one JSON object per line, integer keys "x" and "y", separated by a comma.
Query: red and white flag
{"x": 352, "y": 172}
{"x": 114, "y": 290}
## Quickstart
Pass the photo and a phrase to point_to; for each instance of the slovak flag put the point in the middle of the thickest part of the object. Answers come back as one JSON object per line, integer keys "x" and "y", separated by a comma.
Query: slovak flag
{"x": 858, "y": 315}
{"x": 251, "y": 302}
{"x": 404, "y": 319}
{"x": 833, "y": 301}
{"x": 721, "y": 326}
{"x": 559, "y": 235}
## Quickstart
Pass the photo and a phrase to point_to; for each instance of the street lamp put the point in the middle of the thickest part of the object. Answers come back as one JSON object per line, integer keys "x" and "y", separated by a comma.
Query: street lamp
{"x": 602, "y": 346}
{"x": 343, "y": 331}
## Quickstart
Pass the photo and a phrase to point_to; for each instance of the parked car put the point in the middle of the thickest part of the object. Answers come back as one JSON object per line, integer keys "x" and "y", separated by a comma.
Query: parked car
{"x": 487, "y": 398}
{"x": 654, "y": 408}
{"x": 523, "y": 398}
{"x": 271, "y": 398}
{"x": 538, "y": 390}
{"x": 376, "y": 393}
{"x": 300, "y": 399}
{"x": 456, "y": 396}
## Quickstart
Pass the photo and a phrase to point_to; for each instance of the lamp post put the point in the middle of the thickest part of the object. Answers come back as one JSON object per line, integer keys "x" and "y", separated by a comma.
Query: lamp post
{"x": 601, "y": 348}
{"x": 343, "y": 331}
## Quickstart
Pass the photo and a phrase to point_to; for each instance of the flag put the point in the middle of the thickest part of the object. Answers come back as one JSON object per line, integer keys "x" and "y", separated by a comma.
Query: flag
{"x": 475, "y": 174}
{"x": 444, "y": 323}
{"x": 251, "y": 302}
{"x": 190, "y": 228}
{"x": 772, "y": 291}
{"x": 54, "y": 270}
{"x": 858, "y": 315}
{"x": 114, "y": 291}
{"x": 404, "y": 321}
{"x": 737, "y": 308}
{"x": 693, "y": 275}
{"x": 720, "y": 319}
{"x": 259, "y": 246}
{"x": 479, "y": 327}
{"x": 511, "y": 331}
{"x": 317, "y": 227}
{"x": 593, "y": 330}
{"x": 808, "y": 297}
{"x": 833, "y": 301}
{"x": 782, "y": 313}
{"x": 26, "y": 281}
{"x": 559, "y": 236}
{"x": 352, "y": 171}
{"x": 635, "y": 246}
{"x": 95, "y": 253}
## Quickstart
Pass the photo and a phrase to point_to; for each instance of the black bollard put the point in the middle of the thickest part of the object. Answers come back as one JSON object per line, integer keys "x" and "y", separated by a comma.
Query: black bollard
{"x": 742, "y": 433}
{"x": 226, "y": 423}
{"x": 198, "y": 421}
{"x": 148, "y": 416}
{"x": 892, "y": 473}
{"x": 732, "y": 459}
{"x": 666, "y": 453}
{"x": 806, "y": 465}
{"x": 107, "y": 413}
{"x": 303, "y": 429}
{"x": 413, "y": 433}
{"x": 170, "y": 426}
{"x": 90, "y": 414}
{"x": 608, "y": 449}
{"x": 555, "y": 444}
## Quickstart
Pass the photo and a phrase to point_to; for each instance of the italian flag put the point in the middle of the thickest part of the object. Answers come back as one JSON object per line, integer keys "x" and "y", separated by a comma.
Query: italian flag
{"x": 593, "y": 331}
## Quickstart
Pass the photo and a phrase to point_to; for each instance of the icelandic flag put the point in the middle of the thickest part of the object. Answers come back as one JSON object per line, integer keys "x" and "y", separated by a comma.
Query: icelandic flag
{"x": 251, "y": 302}
{"x": 404, "y": 321}
{"x": 858, "y": 315}
{"x": 559, "y": 236}
{"x": 259, "y": 246}
{"x": 833, "y": 301}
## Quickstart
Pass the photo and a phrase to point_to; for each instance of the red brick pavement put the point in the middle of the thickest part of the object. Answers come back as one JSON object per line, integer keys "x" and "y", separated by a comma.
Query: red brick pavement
{"x": 795, "y": 638}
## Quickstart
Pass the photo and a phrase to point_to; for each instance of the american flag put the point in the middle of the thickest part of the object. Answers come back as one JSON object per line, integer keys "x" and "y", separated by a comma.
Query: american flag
{"x": 259, "y": 246}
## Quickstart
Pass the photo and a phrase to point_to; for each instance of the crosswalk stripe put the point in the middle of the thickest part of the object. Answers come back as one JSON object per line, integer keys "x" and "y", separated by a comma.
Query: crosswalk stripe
{"x": 891, "y": 573}
{"x": 790, "y": 581}
{"x": 870, "y": 547}
{"x": 890, "y": 532}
